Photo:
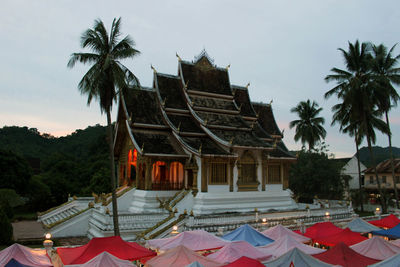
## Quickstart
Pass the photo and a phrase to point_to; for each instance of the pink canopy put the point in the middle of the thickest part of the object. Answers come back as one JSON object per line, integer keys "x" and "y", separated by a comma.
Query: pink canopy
{"x": 237, "y": 249}
{"x": 24, "y": 255}
{"x": 396, "y": 242}
{"x": 105, "y": 259}
{"x": 180, "y": 256}
{"x": 286, "y": 243}
{"x": 279, "y": 231}
{"x": 195, "y": 240}
{"x": 376, "y": 248}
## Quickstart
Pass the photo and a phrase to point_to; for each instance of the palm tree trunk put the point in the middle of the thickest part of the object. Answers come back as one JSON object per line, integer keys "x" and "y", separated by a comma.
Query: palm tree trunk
{"x": 113, "y": 180}
{"x": 361, "y": 191}
{"x": 382, "y": 199}
{"x": 396, "y": 195}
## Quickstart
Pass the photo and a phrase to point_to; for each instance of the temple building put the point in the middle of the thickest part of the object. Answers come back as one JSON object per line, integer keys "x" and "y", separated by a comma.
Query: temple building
{"x": 197, "y": 131}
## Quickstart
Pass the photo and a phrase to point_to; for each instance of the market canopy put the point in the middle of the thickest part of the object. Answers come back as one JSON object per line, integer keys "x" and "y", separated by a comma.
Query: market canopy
{"x": 391, "y": 233}
{"x": 344, "y": 256}
{"x": 390, "y": 262}
{"x": 296, "y": 257}
{"x": 285, "y": 244}
{"x": 15, "y": 263}
{"x": 25, "y": 256}
{"x": 195, "y": 264}
{"x": 194, "y": 240}
{"x": 105, "y": 259}
{"x": 245, "y": 261}
{"x": 376, "y": 248}
{"x": 346, "y": 236}
{"x": 387, "y": 222}
{"x": 113, "y": 245}
{"x": 180, "y": 256}
{"x": 249, "y": 234}
{"x": 322, "y": 229}
{"x": 279, "y": 231}
{"x": 361, "y": 226}
{"x": 395, "y": 242}
{"x": 235, "y": 250}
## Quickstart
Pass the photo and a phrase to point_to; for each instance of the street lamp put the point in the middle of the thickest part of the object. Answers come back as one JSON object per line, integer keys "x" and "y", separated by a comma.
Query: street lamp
{"x": 47, "y": 243}
{"x": 378, "y": 212}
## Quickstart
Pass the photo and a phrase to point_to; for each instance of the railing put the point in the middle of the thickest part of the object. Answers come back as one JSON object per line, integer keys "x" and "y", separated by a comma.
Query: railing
{"x": 167, "y": 186}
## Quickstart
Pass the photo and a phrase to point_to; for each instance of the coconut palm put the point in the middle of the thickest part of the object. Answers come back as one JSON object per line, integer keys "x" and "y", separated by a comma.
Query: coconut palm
{"x": 386, "y": 74}
{"x": 106, "y": 78}
{"x": 356, "y": 89}
{"x": 309, "y": 127}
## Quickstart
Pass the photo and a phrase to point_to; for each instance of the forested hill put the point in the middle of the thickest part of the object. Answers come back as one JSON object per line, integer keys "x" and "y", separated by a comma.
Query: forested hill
{"x": 29, "y": 143}
{"x": 76, "y": 164}
{"x": 380, "y": 154}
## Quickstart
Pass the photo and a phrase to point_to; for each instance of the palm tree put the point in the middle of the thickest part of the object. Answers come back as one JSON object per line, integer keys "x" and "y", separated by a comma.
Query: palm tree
{"x": 309, "y": 127}
{"x": 357, "y": 91}
{"x": 349, "y": 125}
{"x": 385, "y": 74}
{"x": 106, "y": 78}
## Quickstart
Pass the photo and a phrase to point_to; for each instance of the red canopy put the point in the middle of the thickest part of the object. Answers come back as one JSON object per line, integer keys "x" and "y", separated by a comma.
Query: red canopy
{"x": 245, "y": 261}
{"x": 322, "y": 229}
{"x": 344, "y": 256}
{"x": 387, "y": 222}
{"x": 113, "y": 245}
{"x": 346, "y": 236}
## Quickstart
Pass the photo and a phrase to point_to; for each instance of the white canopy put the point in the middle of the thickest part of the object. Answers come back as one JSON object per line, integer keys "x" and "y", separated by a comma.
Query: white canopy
{"x": 25, "y": 255}
{"x": 361, "y": 226}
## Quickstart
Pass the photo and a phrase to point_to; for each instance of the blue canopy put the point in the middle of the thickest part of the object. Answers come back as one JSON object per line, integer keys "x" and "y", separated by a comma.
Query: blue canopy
{"x": 391, "y": 233}
{"x": 15, "y": 263}
{"x": 249, "y": 234}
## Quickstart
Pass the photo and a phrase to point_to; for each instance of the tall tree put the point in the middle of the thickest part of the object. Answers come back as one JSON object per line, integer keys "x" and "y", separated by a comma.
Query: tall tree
{"x": 309, "y": 127}
{"x": 386, "y": 74}
{"x": 349, "y": 125}
{"x": 357, "y": 91}
{"x": 106, "y": 78}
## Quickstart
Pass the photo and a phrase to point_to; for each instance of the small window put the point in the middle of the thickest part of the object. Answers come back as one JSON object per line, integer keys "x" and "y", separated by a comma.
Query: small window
{"x": 218, "y": 173}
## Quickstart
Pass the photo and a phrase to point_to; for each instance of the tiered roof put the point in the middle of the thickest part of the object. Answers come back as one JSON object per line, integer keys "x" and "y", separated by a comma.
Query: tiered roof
{"x": 198, "y": 111}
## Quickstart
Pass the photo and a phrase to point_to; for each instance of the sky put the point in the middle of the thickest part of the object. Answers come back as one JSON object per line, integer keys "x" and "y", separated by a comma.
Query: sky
{"x": 283, "y": 48}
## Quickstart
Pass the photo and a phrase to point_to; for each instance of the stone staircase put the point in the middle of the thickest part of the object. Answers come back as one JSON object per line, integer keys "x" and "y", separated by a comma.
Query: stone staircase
{"x": 176, "y": 205}
{"x": 65, "y": 211}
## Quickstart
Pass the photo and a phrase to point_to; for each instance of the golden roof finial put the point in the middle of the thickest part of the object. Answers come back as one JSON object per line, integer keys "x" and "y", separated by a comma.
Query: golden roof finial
{"x": 179, "y": 127}
{"x": 179, "y": 58}
{"x": 151, "y": 66}
{"x": 270, "y": 102}
{"x": 247, "y": 85}
{"x": 142, "y": 149}
{"x": 227, "y": 67}
{"x": 205, "y": 121}
{"x": 201, "y": 146}
{"x": 231, "y": 141}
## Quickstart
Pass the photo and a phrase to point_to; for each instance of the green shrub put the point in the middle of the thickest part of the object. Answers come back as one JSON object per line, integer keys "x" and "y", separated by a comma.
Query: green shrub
{"x": 6, "y": 233}
{"x": 5, "y": 206}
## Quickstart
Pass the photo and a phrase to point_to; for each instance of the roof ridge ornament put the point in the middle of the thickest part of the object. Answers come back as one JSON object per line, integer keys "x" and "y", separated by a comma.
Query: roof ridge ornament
{"x": 186, "y": 85}
{"x": 202, "y": 54}
{"x": 227, "y": 67}
{"x": 270, "y": 102}
{"x": 247, "y": 85}
{"x": 142, "y": 149}
{"x": 179, "y": 58}
{"x": 151, "y": 66}
{"x": 200, "y": 148}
